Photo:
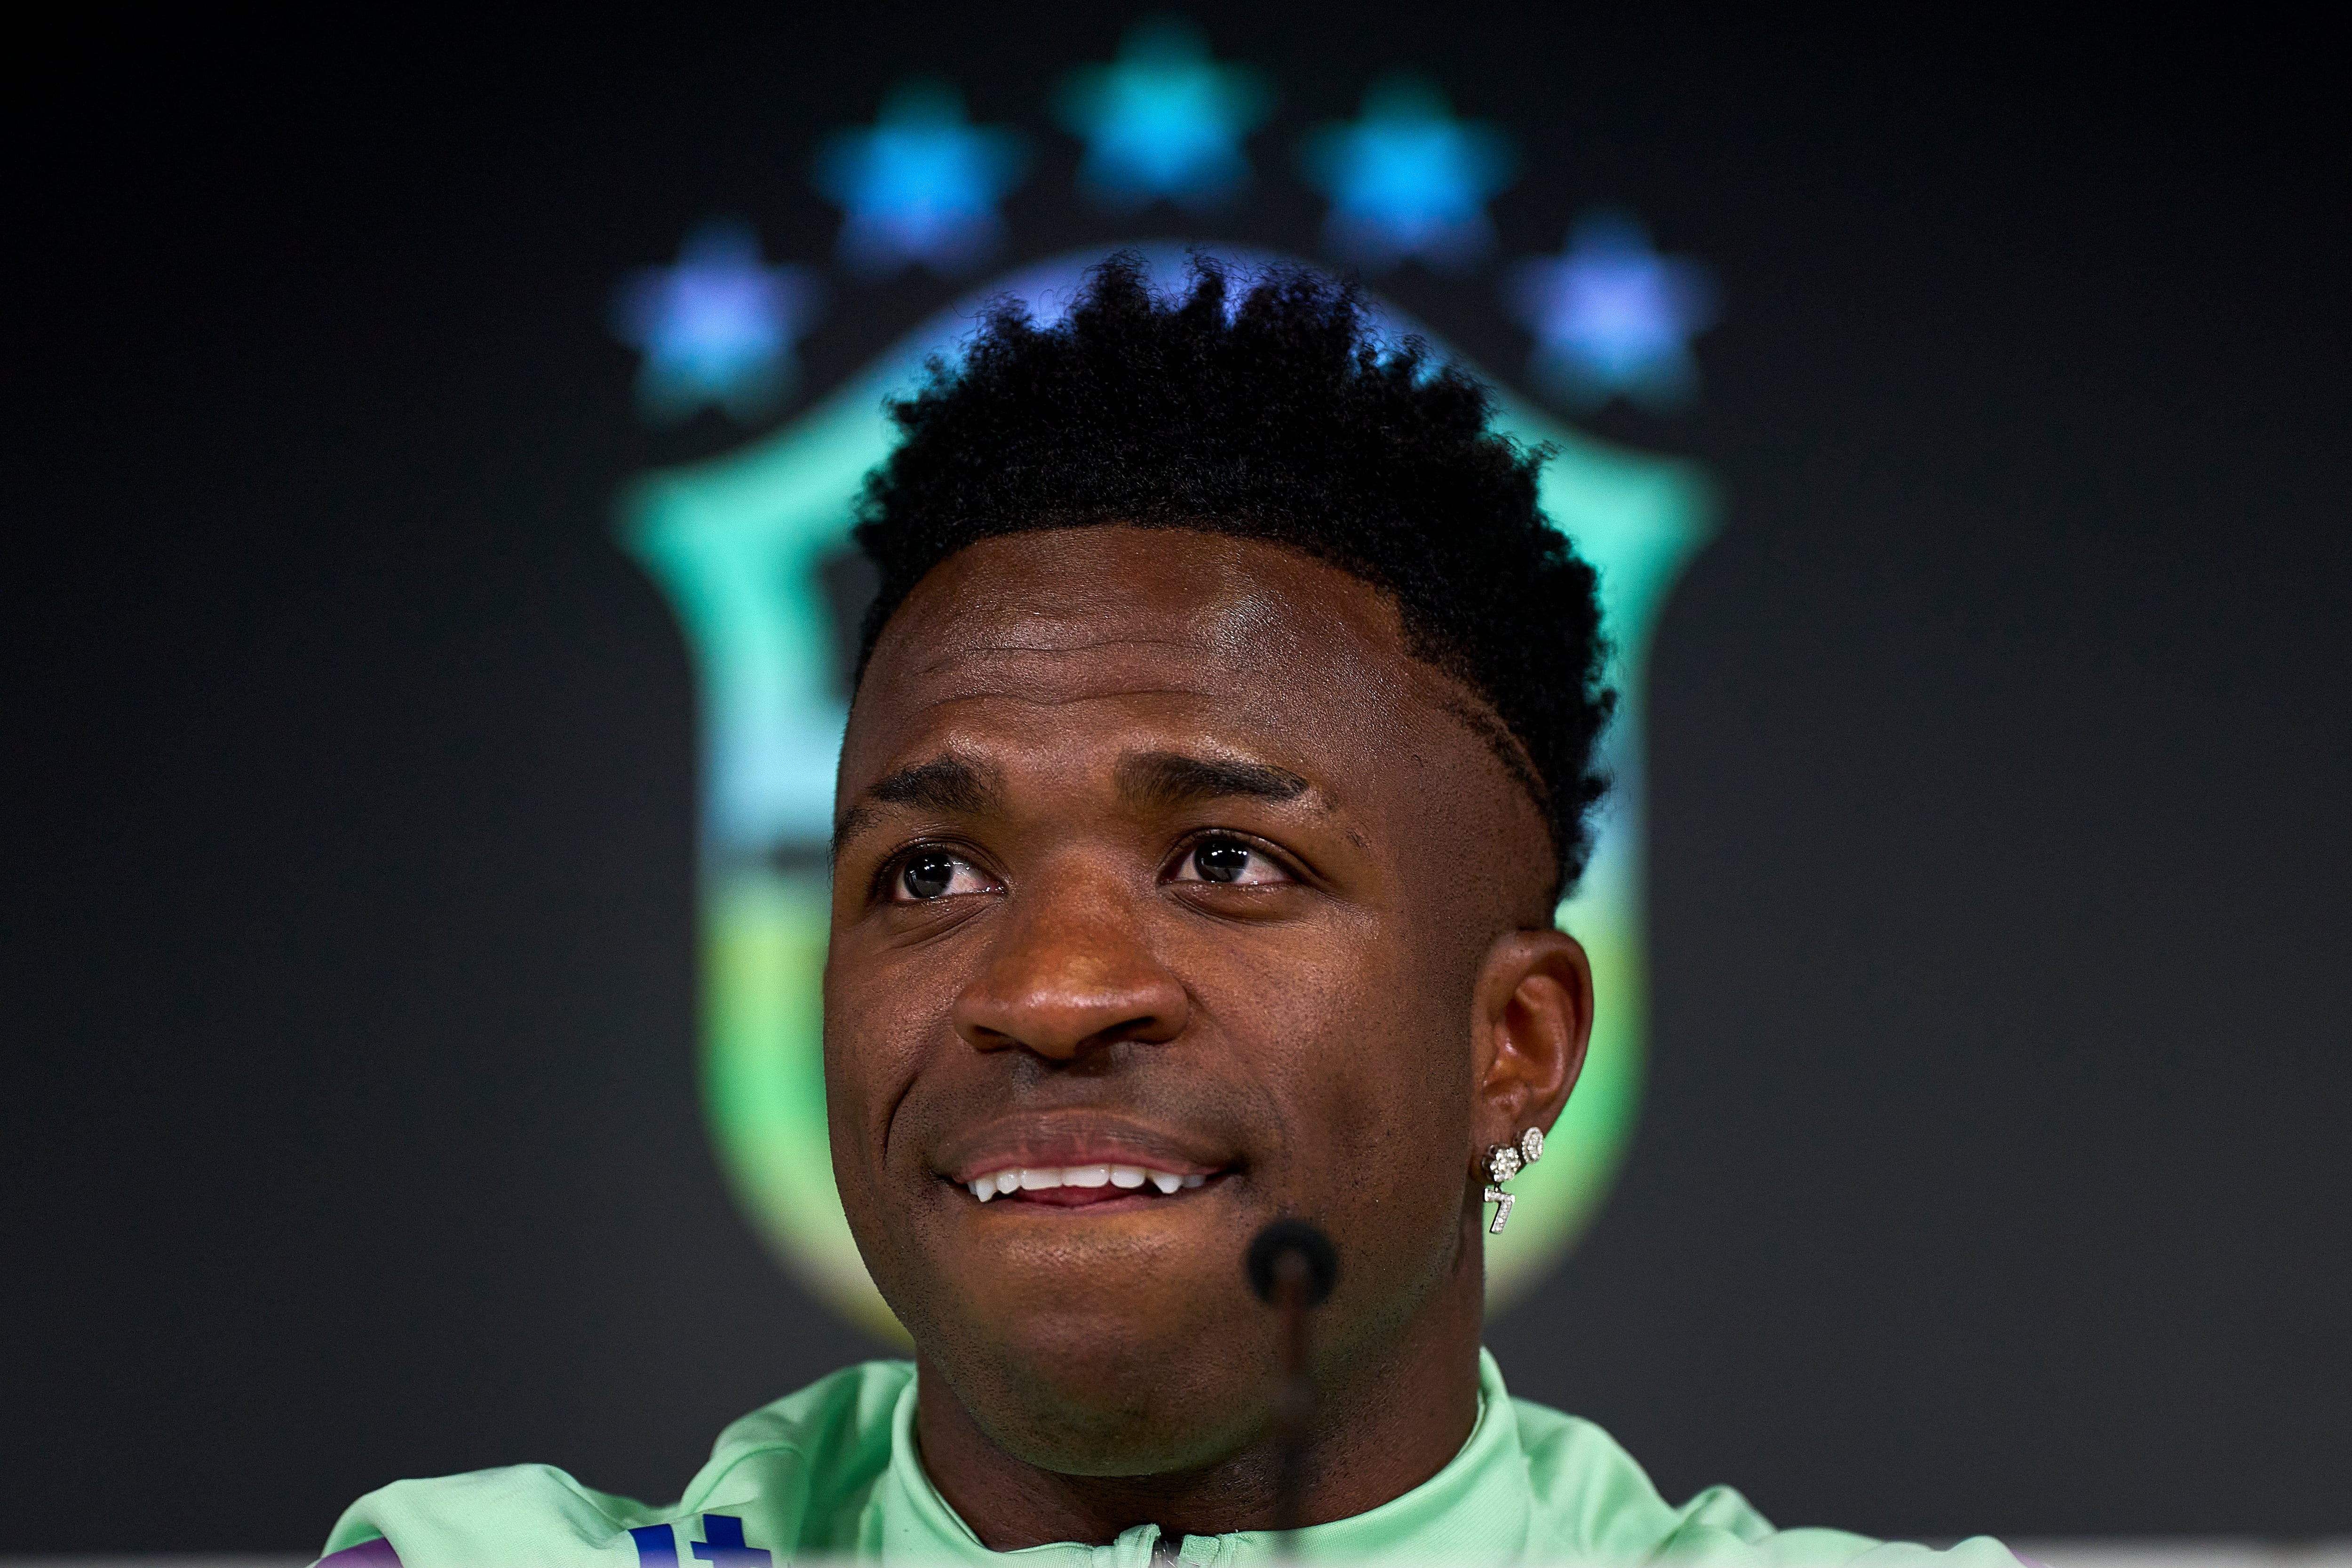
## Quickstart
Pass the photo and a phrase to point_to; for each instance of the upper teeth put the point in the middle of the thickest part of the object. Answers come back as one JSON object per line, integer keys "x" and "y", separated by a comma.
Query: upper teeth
{"x": 1036, "y": 1178}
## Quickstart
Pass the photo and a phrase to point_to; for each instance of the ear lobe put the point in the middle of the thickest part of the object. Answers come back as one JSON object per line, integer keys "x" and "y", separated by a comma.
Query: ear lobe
{"x": 1532, "y": 1019}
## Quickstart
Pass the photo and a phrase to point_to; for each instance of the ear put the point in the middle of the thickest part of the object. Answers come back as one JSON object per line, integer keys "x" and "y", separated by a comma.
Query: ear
{"x": 1531, "y": 1018}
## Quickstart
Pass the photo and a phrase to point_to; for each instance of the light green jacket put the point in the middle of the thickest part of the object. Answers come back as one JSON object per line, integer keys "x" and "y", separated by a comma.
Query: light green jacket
{"x": 832, "y": 1472}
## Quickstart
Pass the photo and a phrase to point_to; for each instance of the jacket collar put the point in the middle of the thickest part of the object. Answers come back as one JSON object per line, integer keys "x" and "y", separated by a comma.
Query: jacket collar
{"x": 1476, "y": 1509}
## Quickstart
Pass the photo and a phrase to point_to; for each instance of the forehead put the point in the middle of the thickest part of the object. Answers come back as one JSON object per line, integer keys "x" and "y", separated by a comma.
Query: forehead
{"x": 1069, "y": 639}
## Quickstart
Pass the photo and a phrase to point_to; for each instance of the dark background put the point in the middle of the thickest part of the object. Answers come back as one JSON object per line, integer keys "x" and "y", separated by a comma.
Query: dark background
{"x": 1994, "y": 1172}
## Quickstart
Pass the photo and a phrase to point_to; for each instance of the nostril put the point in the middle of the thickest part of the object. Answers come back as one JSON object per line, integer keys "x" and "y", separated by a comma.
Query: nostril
{"x": 1067, "y": 976}
{"x": 1063, "y": 1026}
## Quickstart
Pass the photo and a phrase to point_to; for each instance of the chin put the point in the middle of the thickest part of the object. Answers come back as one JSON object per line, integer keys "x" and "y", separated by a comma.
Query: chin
{"x": 1107, "y": 1407}
{"x": 1107, "y": 1376}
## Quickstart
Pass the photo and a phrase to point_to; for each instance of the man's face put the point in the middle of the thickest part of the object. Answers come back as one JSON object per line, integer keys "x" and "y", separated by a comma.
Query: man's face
{"x": 1161, "y": 865}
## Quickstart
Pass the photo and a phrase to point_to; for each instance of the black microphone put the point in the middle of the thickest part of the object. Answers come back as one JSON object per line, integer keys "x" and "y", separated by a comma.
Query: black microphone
{"x": 1292, "y": 1266}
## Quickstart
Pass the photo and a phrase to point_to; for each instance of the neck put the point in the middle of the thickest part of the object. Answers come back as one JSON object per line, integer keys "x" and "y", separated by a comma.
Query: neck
{"x": 1382, "y": 1426}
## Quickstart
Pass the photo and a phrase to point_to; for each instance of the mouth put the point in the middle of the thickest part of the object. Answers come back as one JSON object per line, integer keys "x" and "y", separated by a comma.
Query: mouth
{"x": 1102, "y": 1164}
{"x": 1081, "y": 1186}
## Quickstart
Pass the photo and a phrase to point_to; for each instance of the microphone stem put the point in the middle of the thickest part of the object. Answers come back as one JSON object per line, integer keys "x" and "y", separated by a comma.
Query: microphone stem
{"x": 1295, "y": 1406}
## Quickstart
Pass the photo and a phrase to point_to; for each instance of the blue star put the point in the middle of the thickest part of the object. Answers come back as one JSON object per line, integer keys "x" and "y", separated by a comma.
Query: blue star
{"x": 1165, "y": 121}
{"x": 1611, "y": 315}
{"x": 922, "y": 185}
{"x": 1407, "y": 179}
{"x": 719, "y": 327}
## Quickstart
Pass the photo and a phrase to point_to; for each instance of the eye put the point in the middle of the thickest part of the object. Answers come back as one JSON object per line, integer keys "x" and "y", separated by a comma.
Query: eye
{"x": 1229, "y": 861}
{"x": 934, "y": 874}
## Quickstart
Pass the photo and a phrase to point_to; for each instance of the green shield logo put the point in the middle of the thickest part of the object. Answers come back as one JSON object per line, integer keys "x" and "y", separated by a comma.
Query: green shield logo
{"x": 751, "y": 551}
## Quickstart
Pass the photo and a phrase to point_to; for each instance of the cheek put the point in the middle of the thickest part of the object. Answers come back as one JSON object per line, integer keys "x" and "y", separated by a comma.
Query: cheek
{"x": 1399, "y": 1114}
{"x": 1380, "y": 1104}
{"x": 879, "y": 1034}
{"x": 1393, "y": 1197}
{"x": 876, "y": 1030}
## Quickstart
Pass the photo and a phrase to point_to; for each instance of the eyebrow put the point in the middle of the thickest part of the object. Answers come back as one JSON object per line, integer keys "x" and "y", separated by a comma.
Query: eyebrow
{"x": 1168, "y": 779}
{"x": 1161, "y": 780}
{"x": 942, "y": 784}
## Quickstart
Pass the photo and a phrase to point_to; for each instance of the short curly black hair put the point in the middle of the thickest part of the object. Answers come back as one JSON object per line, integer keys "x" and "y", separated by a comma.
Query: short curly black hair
{"x": 1282, "y": 417}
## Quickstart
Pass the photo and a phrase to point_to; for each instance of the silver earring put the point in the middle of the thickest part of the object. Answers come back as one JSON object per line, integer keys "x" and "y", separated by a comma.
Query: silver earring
{"x": 1504, "y": 1161}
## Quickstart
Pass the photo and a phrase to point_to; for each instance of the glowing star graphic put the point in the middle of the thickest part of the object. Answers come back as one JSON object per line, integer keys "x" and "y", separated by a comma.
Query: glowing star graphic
{"x": 1611, "y": 316}
{"x": 1407, "y": 179}
{"x": 718, "y": 327}
{"x": 922, "y": 185}
{"x": 1164, "y": 121}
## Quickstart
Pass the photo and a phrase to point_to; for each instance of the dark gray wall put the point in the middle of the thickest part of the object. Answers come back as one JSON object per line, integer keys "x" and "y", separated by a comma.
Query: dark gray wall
{"x": 1992, "y": 1175}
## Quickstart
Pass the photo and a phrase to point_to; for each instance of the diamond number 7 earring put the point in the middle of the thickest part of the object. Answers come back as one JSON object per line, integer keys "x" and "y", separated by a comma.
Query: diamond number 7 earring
{"x": 1504, "y": 1161}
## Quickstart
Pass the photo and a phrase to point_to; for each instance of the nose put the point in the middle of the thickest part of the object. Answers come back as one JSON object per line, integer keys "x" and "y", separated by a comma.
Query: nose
{"x": 1069, "y": 974}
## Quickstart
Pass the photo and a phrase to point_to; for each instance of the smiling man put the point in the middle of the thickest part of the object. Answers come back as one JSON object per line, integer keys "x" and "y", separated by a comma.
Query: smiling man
{"x": 1223, "y": 741}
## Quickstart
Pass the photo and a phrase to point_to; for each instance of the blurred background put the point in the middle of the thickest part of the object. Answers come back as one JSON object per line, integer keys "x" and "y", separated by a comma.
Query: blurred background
{"x": 1991, "y": 1174}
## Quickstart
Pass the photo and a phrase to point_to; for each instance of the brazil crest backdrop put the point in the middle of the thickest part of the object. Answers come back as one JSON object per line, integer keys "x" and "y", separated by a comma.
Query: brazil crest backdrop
{"x": 751, "y": 550}
{"x": 753, "y": 547}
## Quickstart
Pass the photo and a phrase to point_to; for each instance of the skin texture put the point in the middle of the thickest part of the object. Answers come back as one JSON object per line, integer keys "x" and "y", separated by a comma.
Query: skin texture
{"x": 1338, "y": 1032}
